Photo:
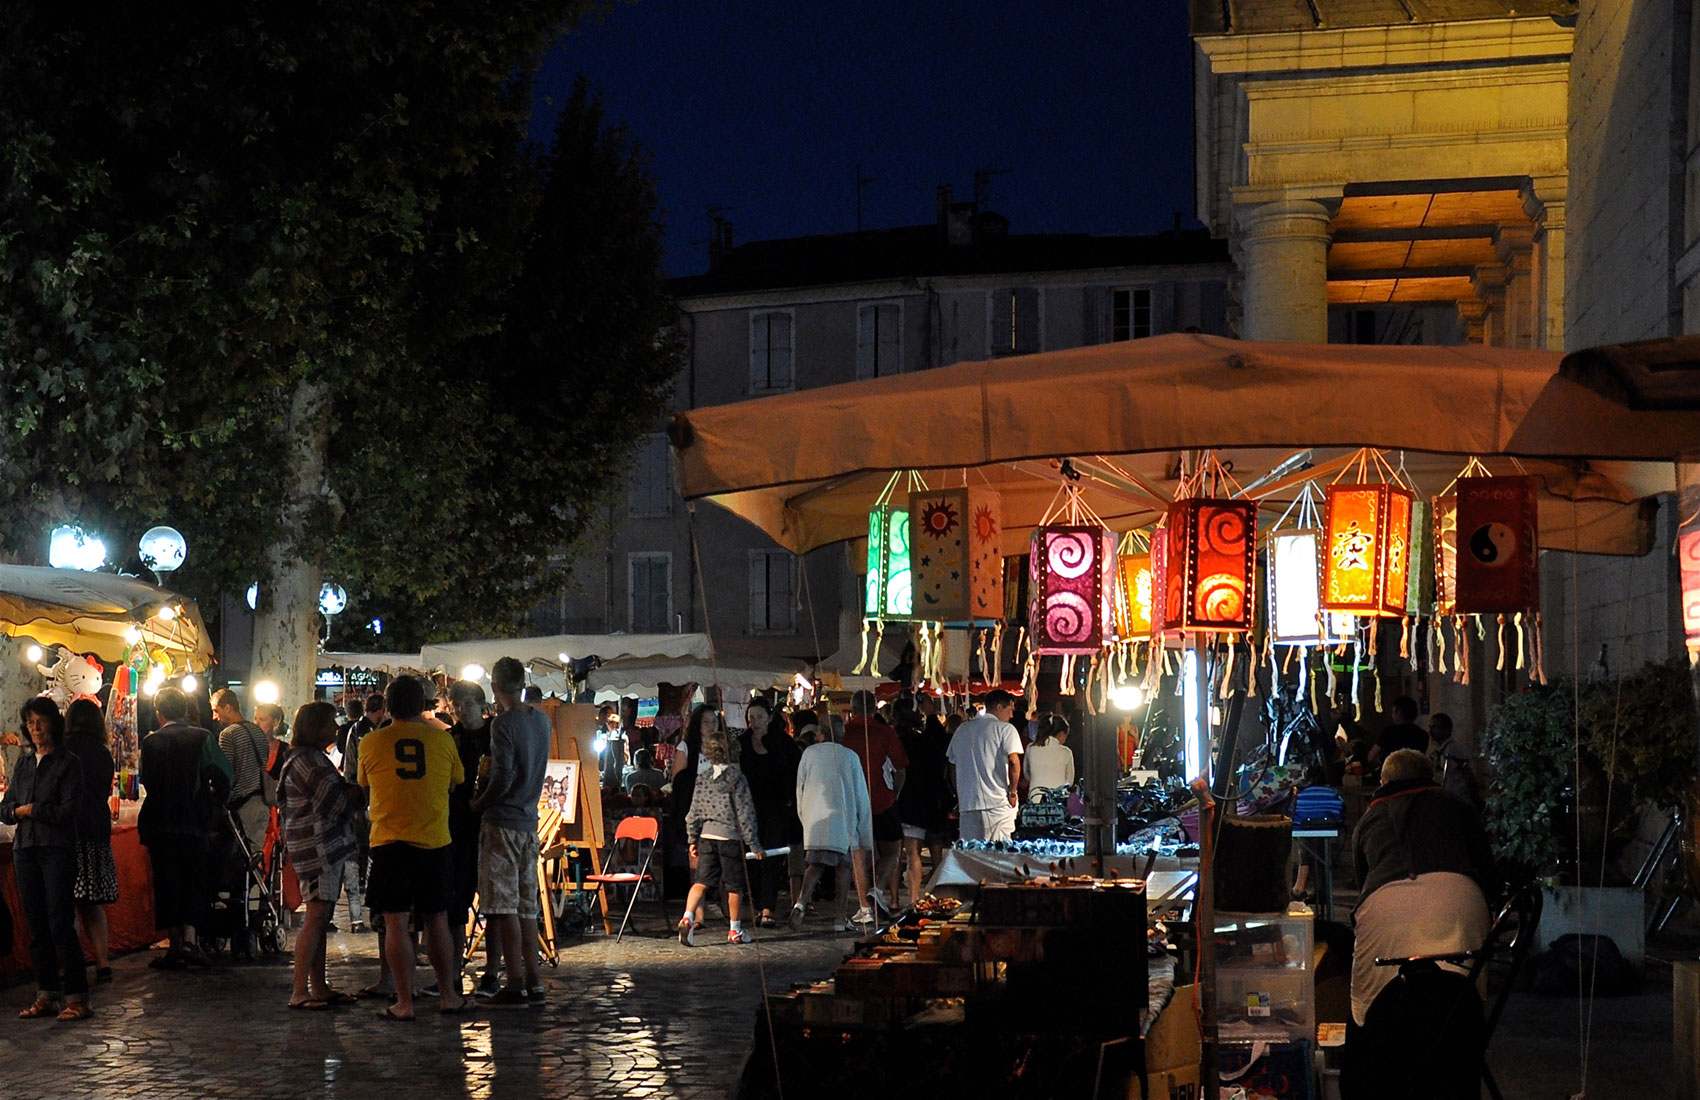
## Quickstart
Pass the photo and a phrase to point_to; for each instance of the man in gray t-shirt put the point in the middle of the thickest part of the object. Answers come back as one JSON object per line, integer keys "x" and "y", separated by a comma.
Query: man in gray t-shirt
{"x": 507, "y": 838}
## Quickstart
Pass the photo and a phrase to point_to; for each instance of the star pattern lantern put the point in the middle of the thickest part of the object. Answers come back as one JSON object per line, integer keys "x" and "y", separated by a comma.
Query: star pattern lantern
{"x": 1497, "y": 551}
{"x": 956, "y": 555}
{"x": 1209, "y": 565}
{"x": 1368, "y": 529}
{"x": 1295, "y": 593}
{"x": 890, "y": 594}
{"x": 1135, "y": 594}
{"x": 1073, "y": 586}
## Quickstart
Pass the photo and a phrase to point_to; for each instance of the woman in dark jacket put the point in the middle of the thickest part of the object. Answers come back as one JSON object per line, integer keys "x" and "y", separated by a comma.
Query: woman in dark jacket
{"x": 97, "y": 873}
{"x": 42, "y": 802}
{"x": 768, "y": 758}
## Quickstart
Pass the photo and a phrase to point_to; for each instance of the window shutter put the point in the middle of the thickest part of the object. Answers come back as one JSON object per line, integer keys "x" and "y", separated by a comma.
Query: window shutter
{"x": 780, "y": 363}
{"x": 1002, "y": 338}
{"x": 1162, "y": 308}
{"x": 1093, "y": 303}
{"x": 890, "y": 340}
{"x": 758, "y": 591}
{"x": 758, "y": 351}
{"x": 867, "y": 341}
{"x": 1026, "y": 320}
{"x": 781, "y": 599}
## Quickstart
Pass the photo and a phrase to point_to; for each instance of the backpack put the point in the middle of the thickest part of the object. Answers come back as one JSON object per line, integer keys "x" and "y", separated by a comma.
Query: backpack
{"x": 1318, "y": 805}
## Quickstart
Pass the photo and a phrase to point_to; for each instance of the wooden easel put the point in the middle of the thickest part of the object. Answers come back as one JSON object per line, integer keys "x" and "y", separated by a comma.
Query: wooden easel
{"x": 572, "y": 724}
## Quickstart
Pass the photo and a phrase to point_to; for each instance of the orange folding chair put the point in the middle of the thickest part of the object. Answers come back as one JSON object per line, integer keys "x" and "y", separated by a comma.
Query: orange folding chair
{"x": 640, "y": 829}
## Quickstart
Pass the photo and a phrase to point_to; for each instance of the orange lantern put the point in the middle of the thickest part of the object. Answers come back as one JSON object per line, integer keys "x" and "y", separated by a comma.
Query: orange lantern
{"x": 1369, "y": 529}
{"x": 1134, "y": 595}
{"x": 1209, "y": 565}
{"x": 1445, "y": 556}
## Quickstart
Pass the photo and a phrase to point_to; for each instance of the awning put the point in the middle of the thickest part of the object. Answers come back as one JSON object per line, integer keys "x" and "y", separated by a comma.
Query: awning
{"x": 1122, "y": 412}
{"x": 544, "y": 652}
{"x": 97, "y": 613}
{"x": 737, "y": 676}
{"x": 388, "y": 663}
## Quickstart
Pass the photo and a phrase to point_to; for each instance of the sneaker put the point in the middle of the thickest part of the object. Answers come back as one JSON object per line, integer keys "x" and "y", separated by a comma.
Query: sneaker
{"x": 504, "y": 998}
{"x": 687, "y": 932}
{"x": 864, "y": 916}
{"x": 489, "y": 983}
{"x": 536, "y": 996}
{"x": 795, "y": 920}
{"x": 358, "y": 927}
{"x": 738, "y": 935}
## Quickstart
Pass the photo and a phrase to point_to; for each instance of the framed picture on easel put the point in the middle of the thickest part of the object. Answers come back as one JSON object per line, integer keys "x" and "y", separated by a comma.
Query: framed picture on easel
{"x": 560, "y": 790}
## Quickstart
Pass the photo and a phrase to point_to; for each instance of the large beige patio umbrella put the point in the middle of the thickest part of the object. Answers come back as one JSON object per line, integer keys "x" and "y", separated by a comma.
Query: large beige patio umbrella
{"x": 1124, "y": 413}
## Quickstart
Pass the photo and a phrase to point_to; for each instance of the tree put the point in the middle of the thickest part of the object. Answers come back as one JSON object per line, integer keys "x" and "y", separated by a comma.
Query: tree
{"x": 282, "y": 276}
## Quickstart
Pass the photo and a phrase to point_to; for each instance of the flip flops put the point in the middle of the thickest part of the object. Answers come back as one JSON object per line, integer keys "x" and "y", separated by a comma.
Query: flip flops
{"x": 467, "y": 1004}
{"x": 309, "y": 1006}
{"x": 338, "y": 997}
{"x": 373, "y": 993}
{"x": 389, "y": 1013}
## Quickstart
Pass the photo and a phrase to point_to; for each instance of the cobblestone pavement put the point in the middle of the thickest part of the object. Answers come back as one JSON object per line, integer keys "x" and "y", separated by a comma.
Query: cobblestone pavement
{"x": 643, "y": 1018}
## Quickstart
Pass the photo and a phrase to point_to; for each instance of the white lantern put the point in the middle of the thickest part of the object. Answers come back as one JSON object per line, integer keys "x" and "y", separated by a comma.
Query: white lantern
{"x": 332, "y": 599}
{"x": 162, "y": 549}
{"x": 69, "y": 547}
{"x": 1295, "y": 595}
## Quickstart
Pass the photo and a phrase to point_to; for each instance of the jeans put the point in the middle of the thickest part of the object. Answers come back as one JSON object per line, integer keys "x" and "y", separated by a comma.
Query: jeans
{"x": 45, "y": 879}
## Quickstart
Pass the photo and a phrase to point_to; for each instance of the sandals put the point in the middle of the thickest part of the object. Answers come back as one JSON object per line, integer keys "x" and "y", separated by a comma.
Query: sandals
{"x": 373, "y": 993}
{"x": 338, "y": 997}
{"x": 40, "y": 1008}
{"x": 75, "y": 1010}
{"x": 467, "y": 1004}
{"x": 389, "y": 1013}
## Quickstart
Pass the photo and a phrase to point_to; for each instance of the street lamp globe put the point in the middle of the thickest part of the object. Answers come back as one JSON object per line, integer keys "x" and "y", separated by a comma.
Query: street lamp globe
{"x": 162, "y": 549}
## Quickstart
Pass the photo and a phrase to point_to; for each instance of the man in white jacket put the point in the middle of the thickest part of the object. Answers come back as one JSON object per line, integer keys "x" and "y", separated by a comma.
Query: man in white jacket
{"x": 838, "y": 829}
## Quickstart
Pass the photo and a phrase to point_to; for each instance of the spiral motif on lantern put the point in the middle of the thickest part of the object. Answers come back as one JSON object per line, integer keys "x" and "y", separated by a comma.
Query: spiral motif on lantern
{"x": 1068, "y": 618}
{"x": 1221, "y": 598}
{"x": 1223, "y": 531}
{"x": 1070, "y": 553}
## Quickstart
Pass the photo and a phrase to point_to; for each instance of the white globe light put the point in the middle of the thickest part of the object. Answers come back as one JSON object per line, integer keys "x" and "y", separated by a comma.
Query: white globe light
{"x": 69, "y": 547}
{"x": 254, "y": 596}
{"x": 166, "y": 613}
{"x": 132, "y": 634}
{"x": 162, "y": 549}
{"x": 472, "y": 672}
{"x": 1127, "y": 697}
{"x": 190, "y": 684}
{"x": 332, "y": 599}
{"x": 34, "y": 654}
{"x": 566, "y": 658}
{"x": 266, "y": 693}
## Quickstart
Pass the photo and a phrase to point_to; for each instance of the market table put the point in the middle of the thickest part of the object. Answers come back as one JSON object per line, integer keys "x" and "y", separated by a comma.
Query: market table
{"x": 130, "y": 920}
{"x": 962, "y": 870}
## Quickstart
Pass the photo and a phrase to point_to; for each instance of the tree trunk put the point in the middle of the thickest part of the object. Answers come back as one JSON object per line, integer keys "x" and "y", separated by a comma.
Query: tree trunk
{"x": 286, "y": 626}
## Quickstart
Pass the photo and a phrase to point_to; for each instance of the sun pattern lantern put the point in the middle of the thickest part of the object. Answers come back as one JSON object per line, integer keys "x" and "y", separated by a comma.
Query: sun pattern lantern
{"x": 1073, "y": 586}
{"x": 1497, "y": 552}
{"x": 1368, "y": 529}
{"x": 890, "y": 594}
{"x": 1209, "y": 565}
{"x": 956, "y": 555}
{"x": 1295, "y": 593}
{"x": 1135, "y": 595}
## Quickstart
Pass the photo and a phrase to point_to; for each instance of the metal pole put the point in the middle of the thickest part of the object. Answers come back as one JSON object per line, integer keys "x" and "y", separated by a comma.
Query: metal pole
{"x": 1101, "y": 767}
{"x": 1204, "y": 934}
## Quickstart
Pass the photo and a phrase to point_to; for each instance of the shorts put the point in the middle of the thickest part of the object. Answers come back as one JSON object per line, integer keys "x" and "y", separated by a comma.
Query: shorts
{"x": 826, "y": 857}
{"x": 325, "y": 884}
{"x": 927, "y": 837}
{"x": 405, "y": 877}
{"x": 997, "y": 823}
{"x": 97, "y": 874}
{"x": 888, "y": 827}
{"x": 507, "y": 871}
{"x": 721, "y": 862}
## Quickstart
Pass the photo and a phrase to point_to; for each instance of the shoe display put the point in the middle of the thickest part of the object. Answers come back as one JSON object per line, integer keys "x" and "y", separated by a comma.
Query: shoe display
{"x": 687, "y": 932}
{"x": 738, "y": 935}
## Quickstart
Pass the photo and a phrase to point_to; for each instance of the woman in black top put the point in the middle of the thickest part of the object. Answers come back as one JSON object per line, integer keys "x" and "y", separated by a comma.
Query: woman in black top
{"x": 471, "y": 733}
{"x": 768, "y": 758}
{"x": 927, "y": 798}
{"x": 42, "y": 802}
{"x": 97, "y": 874}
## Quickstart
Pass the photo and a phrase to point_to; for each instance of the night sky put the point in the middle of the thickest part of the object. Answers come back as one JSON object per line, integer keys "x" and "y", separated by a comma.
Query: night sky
{"x": 766, "y": 108}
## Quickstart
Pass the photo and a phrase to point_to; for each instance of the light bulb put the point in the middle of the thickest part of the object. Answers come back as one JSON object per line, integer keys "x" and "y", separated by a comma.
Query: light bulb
{"x": 132, "y": 634}
{"x": 191, "y": 685}
{"x": 167, "y": 613}
{"x": 34, "y": 654}
{"x": 266, "y": 692}
{"x": 1127, "y": 697}
{"x": 566, "y": 658}
{"x": 472, "y": 672}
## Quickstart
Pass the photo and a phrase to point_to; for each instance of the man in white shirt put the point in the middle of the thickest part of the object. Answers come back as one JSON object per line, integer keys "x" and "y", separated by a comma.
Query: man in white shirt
{"x": 985, "y": 763}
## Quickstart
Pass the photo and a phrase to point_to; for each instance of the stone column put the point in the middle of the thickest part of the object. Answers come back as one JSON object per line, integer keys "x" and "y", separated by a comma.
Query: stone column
{"x": 1285, "y": 249}
{"x": 1515, "y": 246}
{"x": 1489, "y": 283}
{"x": 1543, "y": 199}
{"x": 1473, "y": 313}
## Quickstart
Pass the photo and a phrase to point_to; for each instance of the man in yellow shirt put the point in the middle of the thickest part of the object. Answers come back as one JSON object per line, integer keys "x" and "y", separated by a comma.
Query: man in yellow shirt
{"x": 409, "y": 767}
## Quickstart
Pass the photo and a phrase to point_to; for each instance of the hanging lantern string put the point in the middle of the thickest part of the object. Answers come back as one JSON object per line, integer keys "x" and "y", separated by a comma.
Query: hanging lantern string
{"x": 1216, "y": 472}
{"x": 1305, "y": 504}
{"x": 1365, "y": 457}
{"x": 1134, "y": 542}
{"x": 1068, "y": 505}
{"x": 1473, "y": 468}
{"x": 890, "y": 486}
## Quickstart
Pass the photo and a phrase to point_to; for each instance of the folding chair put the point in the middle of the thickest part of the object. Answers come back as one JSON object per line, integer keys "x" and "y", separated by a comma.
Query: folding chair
{"x": 639, "y": 829}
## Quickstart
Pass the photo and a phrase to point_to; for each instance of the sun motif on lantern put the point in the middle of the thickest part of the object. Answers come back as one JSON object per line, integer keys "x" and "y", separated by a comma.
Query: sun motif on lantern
{"x": 985, "y": 524}
{"x": 939, "y": 519}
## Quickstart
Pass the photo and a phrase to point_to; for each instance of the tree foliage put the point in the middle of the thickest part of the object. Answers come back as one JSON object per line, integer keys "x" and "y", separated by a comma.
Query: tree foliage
{"x": 200, "y": 213}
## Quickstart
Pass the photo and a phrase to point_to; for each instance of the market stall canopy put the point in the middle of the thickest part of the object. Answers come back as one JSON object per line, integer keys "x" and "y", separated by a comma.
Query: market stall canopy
{"x": 387, "y": 663}
{"x": 544, "y": 653}
{"x": 1646, "y": 374}
{"x": 737, "y": 676}
{"x": 1122, "y": 414}
{"x": 95, "y": 613}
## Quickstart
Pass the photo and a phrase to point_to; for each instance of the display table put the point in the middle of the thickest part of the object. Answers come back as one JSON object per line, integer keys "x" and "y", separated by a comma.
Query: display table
{"x": 130, "y": 920}
{"x": 961, "y": 871}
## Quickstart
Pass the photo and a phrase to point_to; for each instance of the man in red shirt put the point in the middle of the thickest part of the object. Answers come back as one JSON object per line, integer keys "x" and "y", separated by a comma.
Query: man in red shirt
{"x": 879, "y": 748}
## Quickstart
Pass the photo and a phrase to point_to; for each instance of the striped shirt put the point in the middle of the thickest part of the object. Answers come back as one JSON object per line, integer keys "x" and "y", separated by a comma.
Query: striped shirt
{"x": 318, "y": 812}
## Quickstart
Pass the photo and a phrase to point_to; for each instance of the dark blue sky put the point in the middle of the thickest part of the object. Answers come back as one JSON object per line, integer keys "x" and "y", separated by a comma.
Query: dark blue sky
{"x": 766, "y": 108}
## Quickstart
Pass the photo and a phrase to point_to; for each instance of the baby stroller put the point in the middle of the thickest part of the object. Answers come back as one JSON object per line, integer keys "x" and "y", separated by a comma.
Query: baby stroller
{"x": 243, "y": 888}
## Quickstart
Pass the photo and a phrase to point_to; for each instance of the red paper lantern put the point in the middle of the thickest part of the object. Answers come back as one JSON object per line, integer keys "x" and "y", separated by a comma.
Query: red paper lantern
{"x": 1209, "y": 565}
{"x": 1073, "y": 588}
{"x": 1445, "y": 556}
{"x": 1368, "y": 530}
{"x": 1498, "y": 547}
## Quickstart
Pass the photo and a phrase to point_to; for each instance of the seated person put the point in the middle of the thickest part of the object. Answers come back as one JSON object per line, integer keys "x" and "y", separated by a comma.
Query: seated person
{"x": 1427, "y": 877}
{"x": 644, "y": 771}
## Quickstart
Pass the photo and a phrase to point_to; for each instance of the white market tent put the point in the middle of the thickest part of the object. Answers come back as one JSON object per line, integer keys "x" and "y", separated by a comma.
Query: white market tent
{"x": 387, "y": 663}
{"x": 736, "y": 676}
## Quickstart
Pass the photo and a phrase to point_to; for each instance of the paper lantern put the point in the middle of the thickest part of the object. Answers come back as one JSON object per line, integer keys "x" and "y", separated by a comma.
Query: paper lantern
{"x": 1295, "y": 593}
{"x": 889, "y": 595}
{"x": 1445, "y": 556}
{"x": 1498, "y": 546}
{"x": 956, "y": 555}
{"x": 1688, "y": 553}
{"x": 1134, "y": 596}
{"x": 1073, "y": 584}
{"x": 1209, "y": 564}
{"x": 1419, "y": 578}
{"x": 1368, "y": 549}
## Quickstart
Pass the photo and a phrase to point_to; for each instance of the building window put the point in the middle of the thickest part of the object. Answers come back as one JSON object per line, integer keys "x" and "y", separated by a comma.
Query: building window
{"x": 879, "y": 339}
{"x": 1130, "y": 313}
{"x": 771, "y": 352}
{"x": 1015, "y": 321}
{"x": 773, "y": 586}
{"x": 651, "y": 491}
{"x": 649, "y": 593}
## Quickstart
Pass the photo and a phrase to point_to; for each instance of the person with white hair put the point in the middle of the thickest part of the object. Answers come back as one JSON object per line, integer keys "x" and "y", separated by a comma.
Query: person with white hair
{"x": 838, "y": 825}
